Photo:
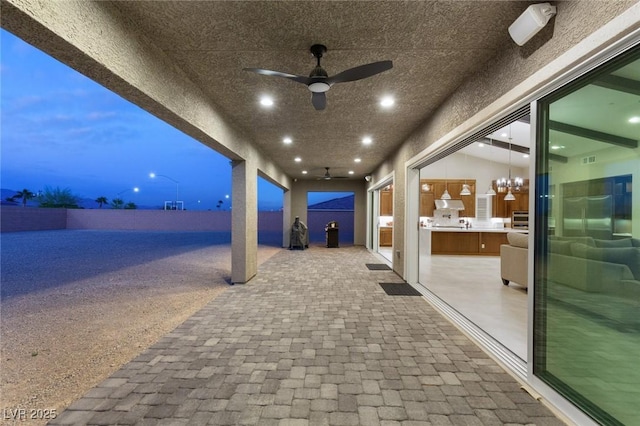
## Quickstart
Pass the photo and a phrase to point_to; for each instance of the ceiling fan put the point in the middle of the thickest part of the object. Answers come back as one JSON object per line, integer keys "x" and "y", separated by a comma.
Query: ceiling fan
{"x": 319, "y": 81}
{"x": 327, "y": 176}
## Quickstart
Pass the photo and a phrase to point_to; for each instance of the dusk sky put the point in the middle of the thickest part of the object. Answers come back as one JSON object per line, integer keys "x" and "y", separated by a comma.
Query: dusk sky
{"x": 61, "y": 129}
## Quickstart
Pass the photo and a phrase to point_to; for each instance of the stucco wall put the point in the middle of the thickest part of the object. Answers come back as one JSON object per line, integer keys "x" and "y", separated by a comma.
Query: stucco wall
{"x": 15, "y": 219}
{"x": 504, "y": 82}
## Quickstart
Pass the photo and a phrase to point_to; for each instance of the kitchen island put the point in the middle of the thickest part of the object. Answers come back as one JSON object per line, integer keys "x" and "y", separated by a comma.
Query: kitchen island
{"x": 463, "y": 241}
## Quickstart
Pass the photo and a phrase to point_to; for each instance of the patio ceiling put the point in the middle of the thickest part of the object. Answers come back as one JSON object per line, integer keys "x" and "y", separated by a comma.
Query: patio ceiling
{"x": 434, "y": 46}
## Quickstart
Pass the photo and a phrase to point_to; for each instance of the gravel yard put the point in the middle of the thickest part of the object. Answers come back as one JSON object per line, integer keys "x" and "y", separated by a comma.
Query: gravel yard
{"x": 77, "y": 305}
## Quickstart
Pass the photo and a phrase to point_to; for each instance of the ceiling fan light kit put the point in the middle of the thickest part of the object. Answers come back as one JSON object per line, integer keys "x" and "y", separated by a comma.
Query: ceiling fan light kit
{"x": 319, "y": 81}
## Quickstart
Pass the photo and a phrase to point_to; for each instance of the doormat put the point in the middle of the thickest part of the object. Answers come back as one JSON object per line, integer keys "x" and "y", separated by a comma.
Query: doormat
{"x": 399, "y": 289}
{"x": 378, "y": 267}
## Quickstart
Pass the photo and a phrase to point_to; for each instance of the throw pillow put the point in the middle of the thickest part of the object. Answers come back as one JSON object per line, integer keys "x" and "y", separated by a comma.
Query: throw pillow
{"x": 579, "y": 249}
{"x": 560, "y": 247}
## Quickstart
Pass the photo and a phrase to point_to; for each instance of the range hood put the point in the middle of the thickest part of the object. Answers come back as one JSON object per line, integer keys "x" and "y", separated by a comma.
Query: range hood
{"x": 449, "y": 204}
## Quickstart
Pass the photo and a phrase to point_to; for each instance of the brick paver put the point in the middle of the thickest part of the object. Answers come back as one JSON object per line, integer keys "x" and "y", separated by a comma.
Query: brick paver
{"x": 312, "y": 340}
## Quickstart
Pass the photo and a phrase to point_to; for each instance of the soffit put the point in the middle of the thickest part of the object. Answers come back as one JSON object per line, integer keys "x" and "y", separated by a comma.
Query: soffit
{"x": 434, "y": 47}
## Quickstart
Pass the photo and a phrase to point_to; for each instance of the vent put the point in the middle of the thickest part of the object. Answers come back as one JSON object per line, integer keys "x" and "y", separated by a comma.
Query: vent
{"x": 588, "y": 160}
{"x": 483, "y": 207}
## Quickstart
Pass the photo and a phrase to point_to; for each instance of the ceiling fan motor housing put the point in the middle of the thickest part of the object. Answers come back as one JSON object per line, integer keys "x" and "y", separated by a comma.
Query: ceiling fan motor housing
{"x": 318, "y": 74}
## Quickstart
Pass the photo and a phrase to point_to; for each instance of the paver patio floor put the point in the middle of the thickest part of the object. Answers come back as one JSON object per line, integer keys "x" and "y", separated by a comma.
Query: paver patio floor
{"x": 312, "y": 340}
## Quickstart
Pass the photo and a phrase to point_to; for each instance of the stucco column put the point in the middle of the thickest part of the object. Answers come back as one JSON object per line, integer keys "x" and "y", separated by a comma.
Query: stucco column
{"x": 244, "y": 221}
{"x": 286, "y": 217}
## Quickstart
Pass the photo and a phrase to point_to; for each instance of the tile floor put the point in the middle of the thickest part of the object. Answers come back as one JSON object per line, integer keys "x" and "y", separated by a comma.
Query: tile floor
{"x": 312, "y": 340}
{"x": 472, "y": 286}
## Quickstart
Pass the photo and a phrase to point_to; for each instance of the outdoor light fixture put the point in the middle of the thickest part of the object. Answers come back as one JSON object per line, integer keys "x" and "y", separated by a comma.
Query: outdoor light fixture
{"x": 532, "y": 20}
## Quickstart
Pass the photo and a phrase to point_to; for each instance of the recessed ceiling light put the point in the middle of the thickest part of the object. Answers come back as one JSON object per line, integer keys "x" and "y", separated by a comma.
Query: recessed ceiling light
{"x": 504, "y": 135}
{"x": 357, "y": 160}
{"x": 266, "y": 101}
{"x": 297, "y": 159}
{"x": 481, "y": 145}
{"x": 525, "y": 155}
{"x": 367, "y": 140}
{"x": 387, "y": 102}
{"x": 287, "y": 140}
{"x": 304, "y": 172}
{"x": 557, "y": 146}
{"x": 634, "y": 120}
{"x": 351, "y": 172}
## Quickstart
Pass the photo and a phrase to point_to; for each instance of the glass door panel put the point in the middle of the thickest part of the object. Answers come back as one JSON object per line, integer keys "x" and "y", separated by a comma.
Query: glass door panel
{"x": 587, "y": 251}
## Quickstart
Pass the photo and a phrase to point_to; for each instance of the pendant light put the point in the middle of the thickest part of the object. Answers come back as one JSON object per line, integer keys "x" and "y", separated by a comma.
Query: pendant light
{"x": 445, "y": 194}
{"x": 491, "y": 191}
{"x": 465, "y": 188}
{"x": 509, "y": 196}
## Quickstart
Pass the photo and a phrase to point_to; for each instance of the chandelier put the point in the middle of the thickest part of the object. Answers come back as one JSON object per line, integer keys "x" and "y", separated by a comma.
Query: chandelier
{"x": 508, "y": 184}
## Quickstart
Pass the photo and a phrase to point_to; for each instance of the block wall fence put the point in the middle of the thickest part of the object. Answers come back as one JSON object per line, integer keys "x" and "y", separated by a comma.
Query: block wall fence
{"x": 17, "y": 219}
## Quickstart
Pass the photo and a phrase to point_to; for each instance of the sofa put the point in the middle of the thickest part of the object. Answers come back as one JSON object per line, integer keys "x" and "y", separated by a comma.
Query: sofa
{"x": 514, "y": 259}
{"x": 598, "y": 278}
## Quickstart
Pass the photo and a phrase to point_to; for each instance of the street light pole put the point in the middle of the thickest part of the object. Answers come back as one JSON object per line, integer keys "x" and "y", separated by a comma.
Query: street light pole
{"x": 134, "y": 189}
{"x": 153, "y": 175}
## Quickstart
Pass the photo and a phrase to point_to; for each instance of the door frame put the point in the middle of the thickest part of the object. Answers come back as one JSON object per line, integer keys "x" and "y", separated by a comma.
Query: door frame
{"x": 374, "y": 226}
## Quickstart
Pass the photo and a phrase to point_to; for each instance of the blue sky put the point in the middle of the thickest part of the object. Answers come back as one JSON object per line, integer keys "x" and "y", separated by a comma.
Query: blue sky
{"x": 61, "y": 129}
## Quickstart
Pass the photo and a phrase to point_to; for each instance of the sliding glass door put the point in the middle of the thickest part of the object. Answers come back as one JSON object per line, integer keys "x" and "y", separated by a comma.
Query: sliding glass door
{"x": 587, "y": 274}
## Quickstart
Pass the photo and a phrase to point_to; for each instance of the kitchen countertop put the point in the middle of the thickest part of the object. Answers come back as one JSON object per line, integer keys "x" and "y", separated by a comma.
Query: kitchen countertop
{"x": 495, "y": 230}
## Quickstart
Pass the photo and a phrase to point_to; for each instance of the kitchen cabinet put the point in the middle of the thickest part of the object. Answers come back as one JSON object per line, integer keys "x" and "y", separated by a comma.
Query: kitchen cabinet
{"x": 455, "y": 242}
{"x": 502, "y": 208}
{"x": 386, "y": 237}
{"x": 432, "y": 189}
{"x": 386, "y": 202}
{"x": 467, "y": 242}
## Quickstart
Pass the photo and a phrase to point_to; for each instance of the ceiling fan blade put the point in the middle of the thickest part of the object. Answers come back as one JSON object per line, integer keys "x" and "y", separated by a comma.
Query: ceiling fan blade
{"x": 299, "y": 78}
{"x": 363, "y": 71}
{"x": 319, "y": 101}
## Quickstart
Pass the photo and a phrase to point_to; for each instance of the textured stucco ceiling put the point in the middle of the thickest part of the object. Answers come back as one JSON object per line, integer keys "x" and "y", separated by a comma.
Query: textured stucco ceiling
{"x": 434, "y": 46}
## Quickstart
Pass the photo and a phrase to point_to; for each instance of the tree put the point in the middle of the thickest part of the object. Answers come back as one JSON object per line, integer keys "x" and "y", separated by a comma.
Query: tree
{"x": 101, "y": 201}
{"x": 130, "y": 206}
{"x": 58, "y": 198}
{"x": 117, "y": 203}
{"x": 25, "y": 195}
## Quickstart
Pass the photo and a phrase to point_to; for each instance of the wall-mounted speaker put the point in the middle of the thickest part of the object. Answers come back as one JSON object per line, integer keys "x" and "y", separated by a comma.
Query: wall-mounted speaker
{"x": 530, "y": 22}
